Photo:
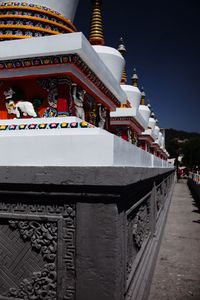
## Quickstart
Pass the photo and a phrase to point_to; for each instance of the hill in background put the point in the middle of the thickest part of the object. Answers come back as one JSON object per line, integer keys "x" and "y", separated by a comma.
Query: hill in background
{"x": 171, "y": 134}
{"x": 183, "y": 143}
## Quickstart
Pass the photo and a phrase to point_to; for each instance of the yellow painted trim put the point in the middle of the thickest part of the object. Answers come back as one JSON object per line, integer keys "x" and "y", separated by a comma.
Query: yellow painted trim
{"x": 35, "y": 19}
{"x": 30, "y": 28}
{"x": 61, "y": 17}
{"x": 11, "y": 36}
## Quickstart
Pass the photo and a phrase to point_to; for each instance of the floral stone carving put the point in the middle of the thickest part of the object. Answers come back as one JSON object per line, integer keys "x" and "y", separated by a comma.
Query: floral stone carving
{"x": 43, "y": 239}
{"x": 141, "y": 226}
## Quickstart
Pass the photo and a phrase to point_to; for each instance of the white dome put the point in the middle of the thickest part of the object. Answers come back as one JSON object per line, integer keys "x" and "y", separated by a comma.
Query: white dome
{"x": 112, "y": 59}
{"x": 156, "y": 131}
{"x": 64, "y": 7}
{"x": 163, "y": 142}
{"x": 133, "y": 95}
{"x": 160, "y": 138}
{"x": 152, "y": 123}
{"x": 145, "y": 112}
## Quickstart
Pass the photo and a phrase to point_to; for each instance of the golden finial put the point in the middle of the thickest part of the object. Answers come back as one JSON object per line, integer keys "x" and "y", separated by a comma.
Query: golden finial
{"x": 143, "y": 95}
{"x": 96, "y": 36}
{"x": 135, "y": 78}
{"x": 122, "y": 50}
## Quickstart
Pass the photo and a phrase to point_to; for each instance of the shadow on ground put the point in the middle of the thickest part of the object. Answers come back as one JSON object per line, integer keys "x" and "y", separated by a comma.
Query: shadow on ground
{"x": 195, "y": 193}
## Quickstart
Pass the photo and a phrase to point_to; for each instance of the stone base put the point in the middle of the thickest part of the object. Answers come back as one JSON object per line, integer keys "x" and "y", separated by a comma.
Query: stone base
{"x": 71, "y": 236}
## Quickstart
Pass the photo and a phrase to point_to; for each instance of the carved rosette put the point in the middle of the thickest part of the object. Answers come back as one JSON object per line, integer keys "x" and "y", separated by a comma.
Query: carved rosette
{"x": 43, "y": 239}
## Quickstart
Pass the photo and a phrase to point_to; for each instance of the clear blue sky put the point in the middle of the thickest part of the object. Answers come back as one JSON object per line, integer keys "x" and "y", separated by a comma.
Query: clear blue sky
{"x": 162, "y": 41}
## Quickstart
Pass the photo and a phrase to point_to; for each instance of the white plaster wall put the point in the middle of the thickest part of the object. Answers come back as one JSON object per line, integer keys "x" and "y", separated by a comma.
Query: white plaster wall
{"x": 113, "y": 60}
{"x": 65, "y": 7}
{"x": 68, "y": 147}
{"x": 127, "y": 154}
{"x": 133, "y": 95}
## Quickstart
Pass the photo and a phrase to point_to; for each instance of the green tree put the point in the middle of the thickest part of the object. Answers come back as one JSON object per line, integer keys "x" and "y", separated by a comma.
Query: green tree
{"x": 173, "y": 148}
{"x": 191, "y": 152}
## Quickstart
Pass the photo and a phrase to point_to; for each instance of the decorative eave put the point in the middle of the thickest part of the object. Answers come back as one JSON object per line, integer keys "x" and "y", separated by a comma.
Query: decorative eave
{"x": 72, "y": 59}
{"x": 155, "y": 146}
{"x": 21, "y": 59}
{"x": 149, "y": 132}
{"x": 147, "y": 138}
{"x": 127, "y": 121}
{"x": 162, "y": 150}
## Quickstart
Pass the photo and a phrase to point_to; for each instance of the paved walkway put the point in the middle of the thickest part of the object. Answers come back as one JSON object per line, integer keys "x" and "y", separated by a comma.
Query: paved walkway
{"x": 177, "y": 272}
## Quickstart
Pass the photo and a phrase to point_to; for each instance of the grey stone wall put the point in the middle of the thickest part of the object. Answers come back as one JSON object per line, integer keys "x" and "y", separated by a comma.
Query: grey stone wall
{"x": 80, "y": 233}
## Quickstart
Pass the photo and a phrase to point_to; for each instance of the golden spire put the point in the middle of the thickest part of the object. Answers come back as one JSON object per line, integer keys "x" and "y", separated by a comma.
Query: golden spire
{"x": 135, "y": 78}
{"x": 96, "y": 36}
{"x": 143, "y": 95}
{"x": 122, "y": 50}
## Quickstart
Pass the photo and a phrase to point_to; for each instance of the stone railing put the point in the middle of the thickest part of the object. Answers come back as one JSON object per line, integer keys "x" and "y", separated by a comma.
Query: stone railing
{"x": 145, "y": 223}
{"x": 81, "y": 233}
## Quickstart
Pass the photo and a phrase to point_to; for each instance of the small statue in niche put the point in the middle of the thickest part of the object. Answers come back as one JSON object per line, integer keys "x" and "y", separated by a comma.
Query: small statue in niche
{"x": 90, "y": 109}
{"x": 78, "y": 98}
{"x": 135, "y": 138}
{"x": 52, "y": 93}
{"x": 92, "y": 116}
{"x": 20, "y": 108}
{"x": 50, "y": 112}
{"x": 131, "y": 136}
{"x": 102, "y": 116}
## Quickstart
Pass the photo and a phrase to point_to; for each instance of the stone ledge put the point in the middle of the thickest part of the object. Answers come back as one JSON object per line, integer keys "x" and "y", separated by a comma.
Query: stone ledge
{"x": 79, "y": 176}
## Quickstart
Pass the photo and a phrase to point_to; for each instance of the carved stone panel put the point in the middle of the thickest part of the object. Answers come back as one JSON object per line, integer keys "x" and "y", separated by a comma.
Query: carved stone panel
{"x": 37, "y": 251}
{"x": 161, "y": 193}
{"x": 138, "y": 229}
{"x": 17, "y": 260}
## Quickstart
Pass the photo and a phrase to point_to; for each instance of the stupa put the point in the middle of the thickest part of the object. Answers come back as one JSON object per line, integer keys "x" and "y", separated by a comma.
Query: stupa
{"x": 62, "y": 102}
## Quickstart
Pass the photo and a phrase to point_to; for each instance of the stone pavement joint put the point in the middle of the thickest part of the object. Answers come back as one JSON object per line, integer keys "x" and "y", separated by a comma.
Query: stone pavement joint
{"x": 177, "y": 272}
